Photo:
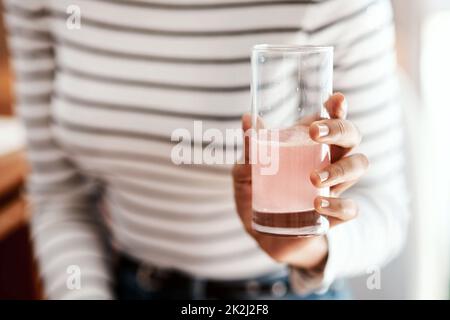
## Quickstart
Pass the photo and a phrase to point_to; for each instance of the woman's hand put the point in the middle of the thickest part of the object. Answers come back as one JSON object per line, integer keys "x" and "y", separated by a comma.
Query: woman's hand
{"x": 343, "y": 172}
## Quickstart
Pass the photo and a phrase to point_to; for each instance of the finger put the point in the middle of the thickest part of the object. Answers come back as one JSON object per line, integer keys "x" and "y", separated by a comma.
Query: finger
{"x": 346, "y": 169}
{"x": 338, "y": 189}
{"x": 242, "y": 171}
{"x": 337, "y": 210}
{"x": 337, "y": 106}
{"x": 242, "y": 179}
{"x": 242, "y": 197}
{"x": 246, "y": 126}
{"x": 339, "y": 132}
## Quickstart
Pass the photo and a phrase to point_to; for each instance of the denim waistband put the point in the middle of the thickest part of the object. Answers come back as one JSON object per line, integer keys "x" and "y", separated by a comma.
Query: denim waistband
{"x": 143, "y": 281}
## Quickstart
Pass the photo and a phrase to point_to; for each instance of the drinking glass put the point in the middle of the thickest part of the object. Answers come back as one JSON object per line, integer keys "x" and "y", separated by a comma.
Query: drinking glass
{"x": 290, "y": 85}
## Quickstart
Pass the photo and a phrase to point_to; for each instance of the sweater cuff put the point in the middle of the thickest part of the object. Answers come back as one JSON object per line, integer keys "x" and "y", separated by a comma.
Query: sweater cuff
{"x": 319, "y": 280}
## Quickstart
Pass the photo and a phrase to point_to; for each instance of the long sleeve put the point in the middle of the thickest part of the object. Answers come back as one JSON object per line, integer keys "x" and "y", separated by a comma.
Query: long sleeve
{"x": 67, "y": 235}
{"x": 365, "y": 71}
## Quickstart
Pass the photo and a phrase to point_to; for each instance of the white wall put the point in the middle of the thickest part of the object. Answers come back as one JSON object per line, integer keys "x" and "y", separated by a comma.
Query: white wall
{"x": 421, "y": 271}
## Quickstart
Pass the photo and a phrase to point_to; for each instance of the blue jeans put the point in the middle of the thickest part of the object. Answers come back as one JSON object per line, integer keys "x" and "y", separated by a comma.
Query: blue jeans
{"x": 129, "y": 288}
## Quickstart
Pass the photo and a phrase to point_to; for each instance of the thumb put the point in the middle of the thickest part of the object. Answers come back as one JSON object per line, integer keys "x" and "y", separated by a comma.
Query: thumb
{"x": 242, "y": 172}
{"x": 246, "y": 125}
{"x": 336, "y": 106}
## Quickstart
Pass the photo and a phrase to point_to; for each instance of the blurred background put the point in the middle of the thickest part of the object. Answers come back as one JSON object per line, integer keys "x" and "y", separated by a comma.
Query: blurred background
{"x": 420, "y": 272}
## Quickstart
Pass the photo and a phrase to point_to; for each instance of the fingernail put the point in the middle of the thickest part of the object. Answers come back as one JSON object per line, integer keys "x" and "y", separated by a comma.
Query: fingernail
{"x": 323, "y": 130}
{"x": 323, "y": 175}
{"x": 324, "y": 203}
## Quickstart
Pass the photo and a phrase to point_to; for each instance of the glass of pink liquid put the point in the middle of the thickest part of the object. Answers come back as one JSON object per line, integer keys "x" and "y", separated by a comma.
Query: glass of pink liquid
{"x": 290, "y": 85}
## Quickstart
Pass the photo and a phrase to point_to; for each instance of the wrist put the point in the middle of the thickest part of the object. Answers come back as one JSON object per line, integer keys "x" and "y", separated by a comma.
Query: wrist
{"x": 314, "y": 256}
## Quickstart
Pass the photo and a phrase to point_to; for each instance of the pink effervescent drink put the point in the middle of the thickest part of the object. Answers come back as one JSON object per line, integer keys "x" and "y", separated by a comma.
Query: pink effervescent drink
{"x": 290, "y": 85}
{"x": 283, "y": 199}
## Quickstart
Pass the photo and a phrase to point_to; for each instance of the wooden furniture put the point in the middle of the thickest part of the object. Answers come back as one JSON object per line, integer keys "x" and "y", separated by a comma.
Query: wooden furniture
{"x": 18, "y": 275}
{"x": 13, "y": 206}
{"x": 13, "y": 170}
{"x": 5, "y": 73}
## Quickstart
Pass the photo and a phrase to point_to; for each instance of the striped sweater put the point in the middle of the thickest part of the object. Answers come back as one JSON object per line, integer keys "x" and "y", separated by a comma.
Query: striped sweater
{"x": 100, "y": 104}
